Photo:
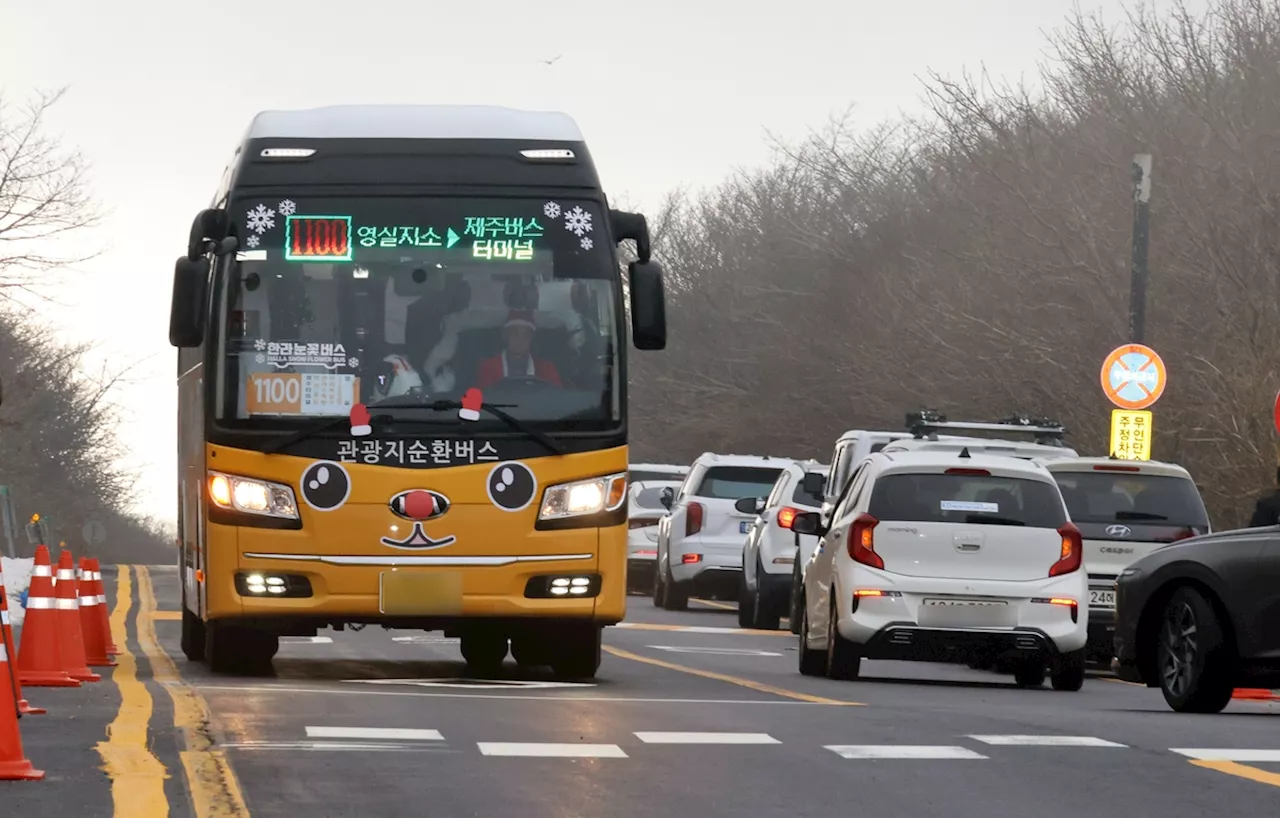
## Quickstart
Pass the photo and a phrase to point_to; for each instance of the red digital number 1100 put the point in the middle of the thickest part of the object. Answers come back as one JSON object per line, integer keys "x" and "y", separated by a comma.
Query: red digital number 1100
{"x": 318, "y": 238}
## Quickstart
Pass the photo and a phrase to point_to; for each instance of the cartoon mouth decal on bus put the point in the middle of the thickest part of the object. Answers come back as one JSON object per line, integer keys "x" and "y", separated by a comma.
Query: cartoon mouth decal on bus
{"x": 418, "y": 539}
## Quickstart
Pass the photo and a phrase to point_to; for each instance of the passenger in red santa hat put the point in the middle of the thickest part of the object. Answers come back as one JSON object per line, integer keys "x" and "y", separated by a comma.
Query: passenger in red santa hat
{"x": 517, "y": 361}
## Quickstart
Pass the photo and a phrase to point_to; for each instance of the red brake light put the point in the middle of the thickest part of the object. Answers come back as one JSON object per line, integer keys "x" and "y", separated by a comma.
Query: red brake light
{"x": 1184, "y": 534}
{"x": 1116, "y": 468}
{"x": 1072, "y": 556}
{"x": 862, "y": 546}
{"x": 693, "y": 519}
{"x": 787, "y": 516}
{"x": 970, "y": 472}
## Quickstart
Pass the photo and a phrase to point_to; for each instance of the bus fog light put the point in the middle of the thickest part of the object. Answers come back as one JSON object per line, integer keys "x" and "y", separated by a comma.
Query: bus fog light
{"x": 260, "y": 584}
{"x": 558, "y": 585}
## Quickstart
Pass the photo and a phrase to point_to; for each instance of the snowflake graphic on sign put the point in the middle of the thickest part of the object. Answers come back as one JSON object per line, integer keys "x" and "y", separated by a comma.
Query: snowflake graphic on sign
{"x": 260, "y": 345}
{"x": 260, "y": 219}
{"x": 578, "y": 221}
{"x": 551, "y": 210}
{"x": 252, "y": 241}
{"x": 287, "y": 208}
{"x": 587, "y": 243}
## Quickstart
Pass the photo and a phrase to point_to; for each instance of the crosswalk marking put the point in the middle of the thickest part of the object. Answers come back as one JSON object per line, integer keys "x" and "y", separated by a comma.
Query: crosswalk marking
{"x": 901, "y": 751}
{"x": 706, "y": 738}
{"x": 1219, "y": 754}
{"x": 1046, "y": 741}
{"x": 536, "y": 749}
{"x": 375, "y": 733}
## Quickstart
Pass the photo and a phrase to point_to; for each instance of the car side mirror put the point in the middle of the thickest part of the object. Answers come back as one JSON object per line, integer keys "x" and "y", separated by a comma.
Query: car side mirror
{"x": 814, "y": 484}
{"x": 807, "y": 522}
{"x": 187, "y": 309}
{"x": 648, "y": 305}
{"x": 667, "y": 496}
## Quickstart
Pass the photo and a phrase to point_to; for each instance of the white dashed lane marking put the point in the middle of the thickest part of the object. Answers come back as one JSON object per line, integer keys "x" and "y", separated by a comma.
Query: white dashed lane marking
{"x": 902, "y": 751}
{"x": 1046, "y": 741}
{"x": 534, "y": 749}
{"x": 375, "y": 733}
{"x": 707, "y": 738}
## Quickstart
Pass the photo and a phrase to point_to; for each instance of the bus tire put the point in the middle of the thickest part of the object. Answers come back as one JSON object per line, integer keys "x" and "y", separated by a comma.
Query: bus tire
{"x": 531, "y": 650}
{"x": 577, "y": 656}
{"x": 484, "y": 649}
{"x": 193, "y": 635}
{"x": 231, "y": 648}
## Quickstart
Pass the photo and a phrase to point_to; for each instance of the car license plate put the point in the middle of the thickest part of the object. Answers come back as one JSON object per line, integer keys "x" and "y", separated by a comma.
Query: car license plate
{"x": 1101, "y": 598}
{"x": 743, "y": 526}
{"x": 964, "y": 603}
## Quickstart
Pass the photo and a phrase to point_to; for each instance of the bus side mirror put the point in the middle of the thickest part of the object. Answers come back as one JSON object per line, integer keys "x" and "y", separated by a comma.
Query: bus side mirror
{"x": 210, "y": 234}
{"x": 648, "y": 305}
{"x": 187, "y": 310}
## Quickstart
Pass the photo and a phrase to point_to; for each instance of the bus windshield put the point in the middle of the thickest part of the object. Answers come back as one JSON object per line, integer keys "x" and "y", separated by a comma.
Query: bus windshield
{"x": 332, "y": 302}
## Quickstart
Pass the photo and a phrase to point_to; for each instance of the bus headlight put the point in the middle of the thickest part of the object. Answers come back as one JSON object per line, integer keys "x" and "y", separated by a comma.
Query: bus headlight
{"x": 583, "y": 497}
{"x": 249, "y": 496}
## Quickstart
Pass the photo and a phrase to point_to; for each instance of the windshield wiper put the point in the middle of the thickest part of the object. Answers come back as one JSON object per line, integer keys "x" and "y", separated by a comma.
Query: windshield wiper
{"x": 993, "y": 519}
{"x": 1139, "y": 515}
{"x": 412, "y": 402}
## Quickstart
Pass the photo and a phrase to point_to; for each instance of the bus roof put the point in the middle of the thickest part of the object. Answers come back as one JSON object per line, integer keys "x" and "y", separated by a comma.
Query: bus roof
{"x": 414, "y": 122}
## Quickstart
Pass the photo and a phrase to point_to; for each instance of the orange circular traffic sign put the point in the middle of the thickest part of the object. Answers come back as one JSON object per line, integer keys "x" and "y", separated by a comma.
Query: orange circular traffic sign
{"x": 1133, "y": 376}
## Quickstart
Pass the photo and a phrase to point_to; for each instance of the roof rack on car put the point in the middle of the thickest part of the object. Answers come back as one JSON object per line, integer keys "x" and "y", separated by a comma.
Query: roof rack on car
{"x": 925, "y": 425}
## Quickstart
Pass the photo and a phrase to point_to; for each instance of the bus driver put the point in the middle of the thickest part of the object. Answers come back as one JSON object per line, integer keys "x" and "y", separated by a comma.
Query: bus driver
{"x": 516, "y": 360}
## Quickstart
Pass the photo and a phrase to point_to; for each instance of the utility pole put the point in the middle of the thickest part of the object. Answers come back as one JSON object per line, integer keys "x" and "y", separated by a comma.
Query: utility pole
{"x": 1141, "y": 234}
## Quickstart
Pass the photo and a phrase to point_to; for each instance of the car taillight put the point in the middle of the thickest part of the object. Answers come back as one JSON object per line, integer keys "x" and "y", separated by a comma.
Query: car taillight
{"x": 1184, "y": 534}
{"x": 1117, "y": 468}
{"x": 693, "y": 519}
{"x": 862, "y": 546}
{"x": 787, "y": 516}
{"x": 643, "y": 523}
{"x": 1072, "y": 556}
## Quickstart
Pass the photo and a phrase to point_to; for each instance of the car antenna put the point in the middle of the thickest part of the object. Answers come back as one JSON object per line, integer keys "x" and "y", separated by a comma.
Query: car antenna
{"x": 965, "y": 452}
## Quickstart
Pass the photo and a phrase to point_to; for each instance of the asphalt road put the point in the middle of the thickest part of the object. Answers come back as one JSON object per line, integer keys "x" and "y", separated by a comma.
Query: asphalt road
{"x": 689, "y": 716}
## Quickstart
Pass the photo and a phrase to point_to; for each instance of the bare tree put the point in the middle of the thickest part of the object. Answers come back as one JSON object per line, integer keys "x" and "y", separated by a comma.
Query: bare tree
{"x": 43, "y": 196}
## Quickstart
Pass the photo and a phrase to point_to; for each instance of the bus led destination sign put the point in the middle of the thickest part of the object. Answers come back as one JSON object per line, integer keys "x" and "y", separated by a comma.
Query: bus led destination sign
{"x": 317, "y": 238}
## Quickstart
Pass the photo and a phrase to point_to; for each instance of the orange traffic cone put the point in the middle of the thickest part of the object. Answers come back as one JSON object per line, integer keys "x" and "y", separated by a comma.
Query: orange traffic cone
{"x": 95, "y": 648}
{"x": 104, "y": 620}
{"x": 70, "y": 637}
{"x": 40, "y": 653}
{"x": 6, "y": 642}
{"x": 1257, "y": 693}
{"x": 14, "y": 765}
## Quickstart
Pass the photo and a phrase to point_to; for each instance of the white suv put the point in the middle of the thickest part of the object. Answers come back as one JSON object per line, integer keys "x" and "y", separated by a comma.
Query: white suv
{"x": 645, "y": 511}
{"x": 945, "y": 557}
{"x": 772, "y": 549}
{"x": 700, "y": 541}
{"x": 1125, "y": 509}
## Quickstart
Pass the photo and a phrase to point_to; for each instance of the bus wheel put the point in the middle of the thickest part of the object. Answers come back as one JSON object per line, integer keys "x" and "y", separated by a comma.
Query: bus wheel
{"x": 230, "y": 648}
{"x": 530, "y": 650}
{"x": 577, "y": 656}
{"x": 484, "y": 649}
{"x": 192, "y": 635}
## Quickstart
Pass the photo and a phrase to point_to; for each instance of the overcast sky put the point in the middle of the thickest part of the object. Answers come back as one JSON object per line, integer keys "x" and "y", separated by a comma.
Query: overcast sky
{"x": 667, "y": 93}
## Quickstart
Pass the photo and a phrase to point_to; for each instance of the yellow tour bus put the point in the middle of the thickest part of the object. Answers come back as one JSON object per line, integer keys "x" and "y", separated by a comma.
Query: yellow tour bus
{"x": 402, "y": 387}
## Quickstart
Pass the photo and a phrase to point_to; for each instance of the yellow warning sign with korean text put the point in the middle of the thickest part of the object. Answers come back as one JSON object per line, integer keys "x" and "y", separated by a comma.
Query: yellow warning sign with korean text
{"x": 1131, "y": 434}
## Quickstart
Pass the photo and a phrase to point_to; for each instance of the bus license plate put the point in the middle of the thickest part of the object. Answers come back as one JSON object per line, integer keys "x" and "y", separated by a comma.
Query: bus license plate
{"x": 1102, "y": 599}
{"x": 420, "y": 593}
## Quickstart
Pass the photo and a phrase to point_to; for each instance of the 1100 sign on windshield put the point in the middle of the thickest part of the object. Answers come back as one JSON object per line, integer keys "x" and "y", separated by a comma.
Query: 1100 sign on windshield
{"x": 317, "y": 238}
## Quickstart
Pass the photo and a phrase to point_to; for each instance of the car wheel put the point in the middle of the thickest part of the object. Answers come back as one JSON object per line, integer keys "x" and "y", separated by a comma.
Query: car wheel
{"x": 746, "y": 602}
{"x": 1192, "y": 657}
{"x": 797, "y": 599}
{"x": 843, "y": 659}
{"x": 659, "y": 587}
{"x": 1068, "y": 671}
{"x": 193, "y": 632}
{"x": 674, "y": 597}
{"x": 812, "y": 662}
{"x": 765, "y": 615}
{"x": 1029, "y": 674}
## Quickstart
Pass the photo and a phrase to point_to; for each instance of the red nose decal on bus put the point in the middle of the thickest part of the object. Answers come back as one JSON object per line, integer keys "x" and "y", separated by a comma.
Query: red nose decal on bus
{"x": 419, "y": 504}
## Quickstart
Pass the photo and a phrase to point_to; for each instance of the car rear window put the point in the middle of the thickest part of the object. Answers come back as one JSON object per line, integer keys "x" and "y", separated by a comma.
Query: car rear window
{"x": 1119, "y": 497}
{"x": 967, "y": 498}
{"x": 650, "y": 498}
{"x": 736, "y": 482}
{"x": 640, "y": 476}
{"x": 803, "y": 498}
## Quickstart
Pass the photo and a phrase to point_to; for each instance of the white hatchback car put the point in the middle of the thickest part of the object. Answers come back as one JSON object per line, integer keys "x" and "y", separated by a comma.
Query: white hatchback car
{"x": 946, "y": 557}
{"x": 700, "y": 541}
{"x": 645, "y": 512}
{"x": 772, "y": 549}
